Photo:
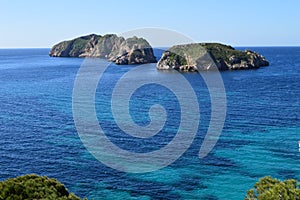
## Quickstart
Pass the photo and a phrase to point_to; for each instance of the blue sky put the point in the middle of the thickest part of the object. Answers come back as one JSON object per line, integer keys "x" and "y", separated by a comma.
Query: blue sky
{"x": 36, "y": 23}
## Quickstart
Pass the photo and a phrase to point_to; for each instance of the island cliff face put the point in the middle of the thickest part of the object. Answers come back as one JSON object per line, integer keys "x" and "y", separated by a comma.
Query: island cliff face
{"x": 209, "y": 56}
{"x": 117, "y": 49}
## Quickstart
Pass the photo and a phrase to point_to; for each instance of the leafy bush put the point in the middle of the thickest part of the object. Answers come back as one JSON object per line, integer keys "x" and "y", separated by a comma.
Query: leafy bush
{"x": 178, "y": 58}
{"x": 269, "y": 188}
{"x": 32, "y": 186}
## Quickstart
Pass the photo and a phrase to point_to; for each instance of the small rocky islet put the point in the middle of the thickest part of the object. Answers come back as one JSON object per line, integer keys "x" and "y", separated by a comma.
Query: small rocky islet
{"x": 184, "y": 58}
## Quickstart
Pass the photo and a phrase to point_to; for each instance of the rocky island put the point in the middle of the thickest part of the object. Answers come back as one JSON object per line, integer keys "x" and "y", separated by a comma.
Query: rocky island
{"x": 119, "y": 50}
{"x": 185, "y": 58}
{"x": 209, "y": 56}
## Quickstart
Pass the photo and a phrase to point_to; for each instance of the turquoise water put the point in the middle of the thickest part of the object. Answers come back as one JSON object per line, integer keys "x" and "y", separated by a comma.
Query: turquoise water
{"x": 260, "y": 136}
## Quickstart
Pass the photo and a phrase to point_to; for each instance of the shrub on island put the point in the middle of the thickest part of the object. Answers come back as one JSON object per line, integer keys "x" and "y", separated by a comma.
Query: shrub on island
{"x": 32, "y": 186}
{"x": 269, "y": 188}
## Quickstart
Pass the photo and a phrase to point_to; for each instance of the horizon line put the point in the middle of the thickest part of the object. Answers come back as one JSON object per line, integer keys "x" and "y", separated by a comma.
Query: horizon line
{"x": 3, "y": 48}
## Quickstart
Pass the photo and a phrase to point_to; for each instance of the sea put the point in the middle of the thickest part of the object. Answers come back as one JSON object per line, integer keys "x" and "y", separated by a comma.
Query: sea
{"x": 259, "y": 137}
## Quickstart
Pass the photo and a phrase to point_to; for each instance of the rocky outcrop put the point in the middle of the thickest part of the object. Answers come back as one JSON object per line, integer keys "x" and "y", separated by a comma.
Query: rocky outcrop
{"x": 117, "y": 49}
{"x": 209, "y": 56}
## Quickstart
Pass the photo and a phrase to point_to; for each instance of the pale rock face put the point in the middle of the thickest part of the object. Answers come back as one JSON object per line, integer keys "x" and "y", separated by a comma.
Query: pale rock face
{"x": 117, "y": 49}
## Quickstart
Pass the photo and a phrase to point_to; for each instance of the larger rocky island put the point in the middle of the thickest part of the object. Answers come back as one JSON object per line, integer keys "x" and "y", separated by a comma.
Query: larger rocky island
{"x": 209, "y": 56}
{"x": 122, "y": 51}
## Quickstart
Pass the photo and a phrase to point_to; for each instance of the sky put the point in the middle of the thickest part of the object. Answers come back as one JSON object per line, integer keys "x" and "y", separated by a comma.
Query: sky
{"x": 41, "y": 24}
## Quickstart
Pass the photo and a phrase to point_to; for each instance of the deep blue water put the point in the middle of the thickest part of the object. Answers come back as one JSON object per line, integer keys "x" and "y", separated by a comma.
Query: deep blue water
{"x": 260, "y": 135}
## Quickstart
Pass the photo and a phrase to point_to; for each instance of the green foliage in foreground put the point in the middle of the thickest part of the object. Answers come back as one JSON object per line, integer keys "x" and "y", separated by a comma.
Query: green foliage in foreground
{"x": 269, "y": 188}
{"x": 32, "y": 186}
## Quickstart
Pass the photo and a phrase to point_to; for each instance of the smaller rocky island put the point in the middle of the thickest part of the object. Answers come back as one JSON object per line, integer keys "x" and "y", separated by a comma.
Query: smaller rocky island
{"x": 209, "y": 56}
{"x": 119, "y": 50}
